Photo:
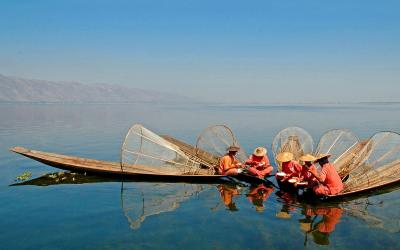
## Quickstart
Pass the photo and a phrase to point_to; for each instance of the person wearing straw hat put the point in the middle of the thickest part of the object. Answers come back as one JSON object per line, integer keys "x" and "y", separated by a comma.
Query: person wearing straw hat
{"x": 329, "y": 179}
{"x": 289, "y": 167}
{"x": 305, "y": 174}
{"x": 259, "y": 163}
{"x": 228, "y": 164}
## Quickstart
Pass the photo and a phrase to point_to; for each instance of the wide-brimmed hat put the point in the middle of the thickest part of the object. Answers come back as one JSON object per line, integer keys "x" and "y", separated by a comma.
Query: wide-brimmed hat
{"x": 321, "y": 156}
{"x": 307, "y": 157}
{"x": 260, "y": 151}
{"x": 284, "y": 157}
{"x": 233, "y": 148}
{"x": 283, "y": 215}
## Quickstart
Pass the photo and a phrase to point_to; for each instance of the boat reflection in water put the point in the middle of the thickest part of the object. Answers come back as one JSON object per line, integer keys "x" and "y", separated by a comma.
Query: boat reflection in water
{"x": 142, "y": 199}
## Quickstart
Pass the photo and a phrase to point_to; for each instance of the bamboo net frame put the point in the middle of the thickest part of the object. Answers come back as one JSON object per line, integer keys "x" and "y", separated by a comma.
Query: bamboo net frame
{"x": 294, "y": 140}
{"x": 379, "y": 162}
{"x": 143, "y": 147}
{"x": 212, "y": 143}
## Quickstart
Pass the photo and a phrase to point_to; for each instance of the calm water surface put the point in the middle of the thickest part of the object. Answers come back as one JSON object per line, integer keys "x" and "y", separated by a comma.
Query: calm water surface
{"x": 58, "y": 213}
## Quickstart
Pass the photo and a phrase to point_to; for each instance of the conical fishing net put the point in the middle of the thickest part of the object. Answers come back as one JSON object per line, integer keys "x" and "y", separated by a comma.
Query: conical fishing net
{"x": 378, "y": 164}
{"x": 294, "y": 140}
{"x": 146, "y": 151}
{"x": 141, "y": 200}
{"x": 213, "y": 142}
{"x": 342, "y": 144}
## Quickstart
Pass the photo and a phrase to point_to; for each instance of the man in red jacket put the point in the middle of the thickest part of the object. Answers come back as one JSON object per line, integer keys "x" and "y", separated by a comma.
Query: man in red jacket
{"x": 259, "y": 163}
{"x": 329, "y": 179}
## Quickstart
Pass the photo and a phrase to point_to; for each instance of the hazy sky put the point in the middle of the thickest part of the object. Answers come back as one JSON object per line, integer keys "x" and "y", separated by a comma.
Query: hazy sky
{"x": 244, "y": 51}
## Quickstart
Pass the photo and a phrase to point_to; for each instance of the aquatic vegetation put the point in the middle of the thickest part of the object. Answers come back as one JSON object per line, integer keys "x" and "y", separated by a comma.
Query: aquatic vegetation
{"x": 24, "y": 176}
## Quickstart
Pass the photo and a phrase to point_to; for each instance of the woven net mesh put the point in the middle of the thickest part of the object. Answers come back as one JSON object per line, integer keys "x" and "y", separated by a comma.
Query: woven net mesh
{"x": 342, "y": 144}
{"x": 378, "y": 162}
{"x": 142, "y": 200}
{"x": 151, "y": 152}
{"x": 294, "y": 140}
{"x": 213, "y": 142}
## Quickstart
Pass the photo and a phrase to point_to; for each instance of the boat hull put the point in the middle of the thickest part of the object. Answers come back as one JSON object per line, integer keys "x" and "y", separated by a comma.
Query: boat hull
{"x": 85, "y": 165}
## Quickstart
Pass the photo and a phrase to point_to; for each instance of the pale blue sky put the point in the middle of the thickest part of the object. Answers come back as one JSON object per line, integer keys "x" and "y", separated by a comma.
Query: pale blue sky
{"x": 234, "y": 51}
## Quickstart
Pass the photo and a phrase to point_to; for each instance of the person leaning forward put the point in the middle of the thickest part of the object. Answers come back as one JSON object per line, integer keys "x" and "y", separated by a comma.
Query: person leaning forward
{"x": 291, "y": 168}
{"x": 329, "y": 179}
{"x": 228, "y": 164}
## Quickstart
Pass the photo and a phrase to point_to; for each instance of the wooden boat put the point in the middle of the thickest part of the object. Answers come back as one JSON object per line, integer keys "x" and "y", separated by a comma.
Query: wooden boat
{"x": 79, "y": 164}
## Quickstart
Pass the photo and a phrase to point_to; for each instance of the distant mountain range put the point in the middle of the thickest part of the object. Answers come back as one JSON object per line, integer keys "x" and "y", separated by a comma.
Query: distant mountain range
{"x": 15, "y": 89}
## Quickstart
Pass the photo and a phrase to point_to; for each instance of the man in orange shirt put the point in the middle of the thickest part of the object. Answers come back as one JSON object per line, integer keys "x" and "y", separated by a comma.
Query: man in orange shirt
{"x": 228, "y": 164}
{"x": 329, "y": 179}
{"x": 259, "y": 163}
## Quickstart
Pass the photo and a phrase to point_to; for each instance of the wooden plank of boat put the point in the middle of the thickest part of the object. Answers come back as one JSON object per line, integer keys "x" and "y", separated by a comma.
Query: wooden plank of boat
{"x": 103, "y": 167}
{"x": 363, "y": 190}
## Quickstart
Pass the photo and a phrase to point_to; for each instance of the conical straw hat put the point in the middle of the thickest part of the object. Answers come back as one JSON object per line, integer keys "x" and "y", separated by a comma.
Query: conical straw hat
{"x": 233, "y": 148}
{"x": 260, "y": 151}
{"x": 283, "y": 215}
{"x": 307, "y": 157}
{"x": 320, "y": 156}
{"x": 284, "y": 157}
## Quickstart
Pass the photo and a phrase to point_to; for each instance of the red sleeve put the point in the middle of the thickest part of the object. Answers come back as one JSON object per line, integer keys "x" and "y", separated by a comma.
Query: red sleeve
{"x": 266, "y": 161}
{"x": 323, "y": 173}
{"x": 249, "y": 160}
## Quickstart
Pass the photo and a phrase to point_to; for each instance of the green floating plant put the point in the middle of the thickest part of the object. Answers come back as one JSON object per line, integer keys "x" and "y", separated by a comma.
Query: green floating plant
{"x": 23, "y": 177}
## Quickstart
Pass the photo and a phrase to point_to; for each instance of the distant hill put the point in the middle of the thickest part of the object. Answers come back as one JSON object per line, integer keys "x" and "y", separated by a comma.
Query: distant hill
{"x": 15, "y": 89}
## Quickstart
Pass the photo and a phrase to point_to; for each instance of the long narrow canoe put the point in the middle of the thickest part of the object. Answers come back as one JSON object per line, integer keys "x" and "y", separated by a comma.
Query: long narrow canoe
{"x": 79, "y": 164}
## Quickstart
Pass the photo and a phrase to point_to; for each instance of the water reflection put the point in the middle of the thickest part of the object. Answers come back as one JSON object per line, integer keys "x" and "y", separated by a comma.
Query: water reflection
{"x": 320, "y": 222}
{"x": 227, "y": 193}
{"x": 258, "y": 195}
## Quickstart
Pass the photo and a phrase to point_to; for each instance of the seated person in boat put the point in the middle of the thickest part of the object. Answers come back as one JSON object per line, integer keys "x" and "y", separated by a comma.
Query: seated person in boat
{"x": 305, "y": 174}
{"x": 329, "y": 179}
{"x": 228, "y": 164}
{"x": 259, "y": 163}
{"x": 290, "y": 168}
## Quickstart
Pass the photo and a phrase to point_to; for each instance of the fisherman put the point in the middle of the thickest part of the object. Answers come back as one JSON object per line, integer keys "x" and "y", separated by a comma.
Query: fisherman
{"x": 305, "y": 174}
{"x": 290, "y": 167}
{"x": 329, "y": 179}
{"x": 228, "y": 164}
{"x": 259, "y": 163}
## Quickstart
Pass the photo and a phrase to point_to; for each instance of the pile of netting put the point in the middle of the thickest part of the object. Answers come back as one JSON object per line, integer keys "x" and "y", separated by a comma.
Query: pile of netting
{"x": 362, "y": 164}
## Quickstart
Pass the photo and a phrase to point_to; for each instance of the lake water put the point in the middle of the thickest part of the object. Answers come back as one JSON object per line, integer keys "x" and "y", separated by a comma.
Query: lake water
{"x": 100, "y": 213}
